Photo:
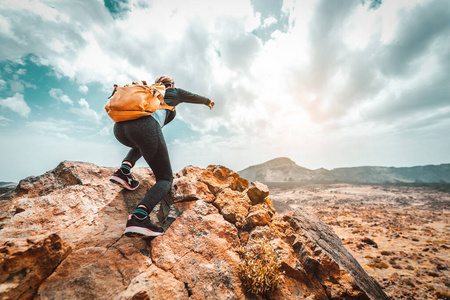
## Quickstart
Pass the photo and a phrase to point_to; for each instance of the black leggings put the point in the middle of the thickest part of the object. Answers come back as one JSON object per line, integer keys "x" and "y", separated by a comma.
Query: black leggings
{"x": 144, "y": 136}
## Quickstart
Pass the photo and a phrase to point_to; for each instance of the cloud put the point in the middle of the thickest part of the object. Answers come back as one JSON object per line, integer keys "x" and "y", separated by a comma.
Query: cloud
{"x": 83, "y": 89}
{"x": 59, "y": 95}
{"x": 2, "y": 84}
{"x": 420, "y": 28}
{"x": 17, "y": 104}
{"x": 86, "y": 112}
{"x": 16, "y": 85}
{"x": 4, "y": 121}
{"x": 50, "y": 125}
{"x": 105, "y": 131}
{"x": 61, "y": 38}
{"x": 269, "y": 21}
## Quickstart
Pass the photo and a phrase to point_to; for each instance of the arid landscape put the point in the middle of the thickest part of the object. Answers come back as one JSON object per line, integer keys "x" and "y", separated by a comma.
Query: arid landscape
{"x": 398, "y": 233}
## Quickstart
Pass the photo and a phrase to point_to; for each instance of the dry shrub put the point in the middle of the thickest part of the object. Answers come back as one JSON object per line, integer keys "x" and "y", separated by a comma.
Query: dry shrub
{"x": 240, "y": 222}
{"x": 259, "y": 269}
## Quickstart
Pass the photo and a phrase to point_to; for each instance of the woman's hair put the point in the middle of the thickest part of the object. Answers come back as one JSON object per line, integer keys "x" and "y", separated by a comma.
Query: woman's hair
{"x": 166, "y": 80}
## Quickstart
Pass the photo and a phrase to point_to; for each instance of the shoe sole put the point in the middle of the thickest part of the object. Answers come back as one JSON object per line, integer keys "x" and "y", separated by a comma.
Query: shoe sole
{"x": 122, "y": 183}
{"x": 134, "y": 231}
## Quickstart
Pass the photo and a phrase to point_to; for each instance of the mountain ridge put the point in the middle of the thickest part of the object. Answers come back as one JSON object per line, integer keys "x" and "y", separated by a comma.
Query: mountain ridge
{"x": 283, "y": 169}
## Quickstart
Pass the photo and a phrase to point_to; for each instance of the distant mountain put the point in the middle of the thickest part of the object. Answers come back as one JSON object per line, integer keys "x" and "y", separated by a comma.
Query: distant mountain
{"x": 284, "y": 169}
{"x": 278, "y": 169}
{"x": 7, "y": 185}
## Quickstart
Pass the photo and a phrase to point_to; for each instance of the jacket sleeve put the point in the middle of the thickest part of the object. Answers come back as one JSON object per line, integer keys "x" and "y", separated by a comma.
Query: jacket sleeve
{"x": 189, "y": 97}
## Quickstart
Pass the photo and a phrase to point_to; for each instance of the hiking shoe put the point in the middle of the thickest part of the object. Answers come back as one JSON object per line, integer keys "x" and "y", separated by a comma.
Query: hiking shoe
{"x": 124, "y": 180}
{"x": 141, "y": 227}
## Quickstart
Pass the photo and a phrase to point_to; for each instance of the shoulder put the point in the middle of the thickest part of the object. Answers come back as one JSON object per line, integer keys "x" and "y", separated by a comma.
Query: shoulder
{"x": 171, "y": 90}
{"x": 176, "y": 91}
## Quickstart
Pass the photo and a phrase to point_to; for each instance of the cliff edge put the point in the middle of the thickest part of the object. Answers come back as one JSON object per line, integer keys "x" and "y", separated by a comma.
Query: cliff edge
{"x": 62, "y": 237}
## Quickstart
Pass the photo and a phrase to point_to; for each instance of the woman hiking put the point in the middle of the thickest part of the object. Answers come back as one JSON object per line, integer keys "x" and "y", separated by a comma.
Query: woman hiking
{"x": 145, "y": 138}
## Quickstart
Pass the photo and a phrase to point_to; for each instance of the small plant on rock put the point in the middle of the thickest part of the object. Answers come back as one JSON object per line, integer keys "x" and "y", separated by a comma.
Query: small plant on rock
{"x": 259, "y": 269}
{"x": 240, "y": 222}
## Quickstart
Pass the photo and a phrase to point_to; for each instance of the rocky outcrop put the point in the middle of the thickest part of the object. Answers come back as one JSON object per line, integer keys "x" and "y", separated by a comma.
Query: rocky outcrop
{"x": 62, "y": 238}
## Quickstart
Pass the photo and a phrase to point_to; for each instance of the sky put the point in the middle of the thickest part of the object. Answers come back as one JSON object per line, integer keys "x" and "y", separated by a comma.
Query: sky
{"x": 328, "y": 84}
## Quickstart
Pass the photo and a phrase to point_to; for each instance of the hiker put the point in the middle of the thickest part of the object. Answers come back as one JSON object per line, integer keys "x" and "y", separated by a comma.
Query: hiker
{"x": 145, "y": 138}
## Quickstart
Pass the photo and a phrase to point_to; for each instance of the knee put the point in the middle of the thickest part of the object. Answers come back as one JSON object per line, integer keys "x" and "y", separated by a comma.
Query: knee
{"x": 166, "y": 178}
{"x": 170, "y": 180}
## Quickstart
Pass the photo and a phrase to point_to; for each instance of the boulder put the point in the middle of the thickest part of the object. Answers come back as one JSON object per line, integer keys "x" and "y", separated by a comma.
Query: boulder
{"x": 257, "y": 192}
{"x": 233, "y": 205}
{"x": 27, "y": 262}
{"x": 260, "y": 214}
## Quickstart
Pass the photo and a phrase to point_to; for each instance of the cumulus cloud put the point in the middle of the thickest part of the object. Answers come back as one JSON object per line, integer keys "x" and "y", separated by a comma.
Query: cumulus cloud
{"x": 60, "y": 96}
{"x": 85, "y": 112}
{"x": 83, "y": 89}
{"x": 17, "y": 104}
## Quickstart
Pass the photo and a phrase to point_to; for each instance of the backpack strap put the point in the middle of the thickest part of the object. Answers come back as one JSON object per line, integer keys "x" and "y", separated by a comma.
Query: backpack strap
{"x": 115, "y": 90}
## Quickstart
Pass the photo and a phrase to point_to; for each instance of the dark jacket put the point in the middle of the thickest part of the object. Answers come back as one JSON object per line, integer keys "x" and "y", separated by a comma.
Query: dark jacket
{"x": 175, "y": 96}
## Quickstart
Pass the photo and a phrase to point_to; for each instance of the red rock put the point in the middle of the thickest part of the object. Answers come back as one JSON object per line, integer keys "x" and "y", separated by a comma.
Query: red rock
{"x": 258, "y": 216}
{"x": 26, "y": 263}
{"x": 88, "y": 272}
{"x": 191, "y": 190}
{"x": 257, "y": 192}
{"x": 154, "y": 283}
{"x": 233, "y": 205}
{"x": 199, "y": 250}
{"x": 219, "y": 177}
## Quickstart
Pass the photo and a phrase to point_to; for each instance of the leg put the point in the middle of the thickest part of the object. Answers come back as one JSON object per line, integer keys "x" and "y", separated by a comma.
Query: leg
{"x": 159, "y": 162}
{"x": 122, "y": 133}
{"x": 123, "y": 175}
{"x": 148, "y": 137}
{"x": 132, "y": 157}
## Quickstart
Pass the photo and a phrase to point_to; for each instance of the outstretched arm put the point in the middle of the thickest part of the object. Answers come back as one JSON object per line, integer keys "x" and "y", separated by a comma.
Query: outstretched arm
{"x": 189, "y": 97}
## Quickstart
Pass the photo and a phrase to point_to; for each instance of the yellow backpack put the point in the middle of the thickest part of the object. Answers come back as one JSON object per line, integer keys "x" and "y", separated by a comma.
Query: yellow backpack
{"x": 133, "y": 101}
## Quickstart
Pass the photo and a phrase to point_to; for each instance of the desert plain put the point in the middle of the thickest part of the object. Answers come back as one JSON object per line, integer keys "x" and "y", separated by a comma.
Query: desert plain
{"x": 400, "y": 234}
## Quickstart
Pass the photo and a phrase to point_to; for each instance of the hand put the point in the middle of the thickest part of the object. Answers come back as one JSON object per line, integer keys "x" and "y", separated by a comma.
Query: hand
{"x": 211, "y": 104}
